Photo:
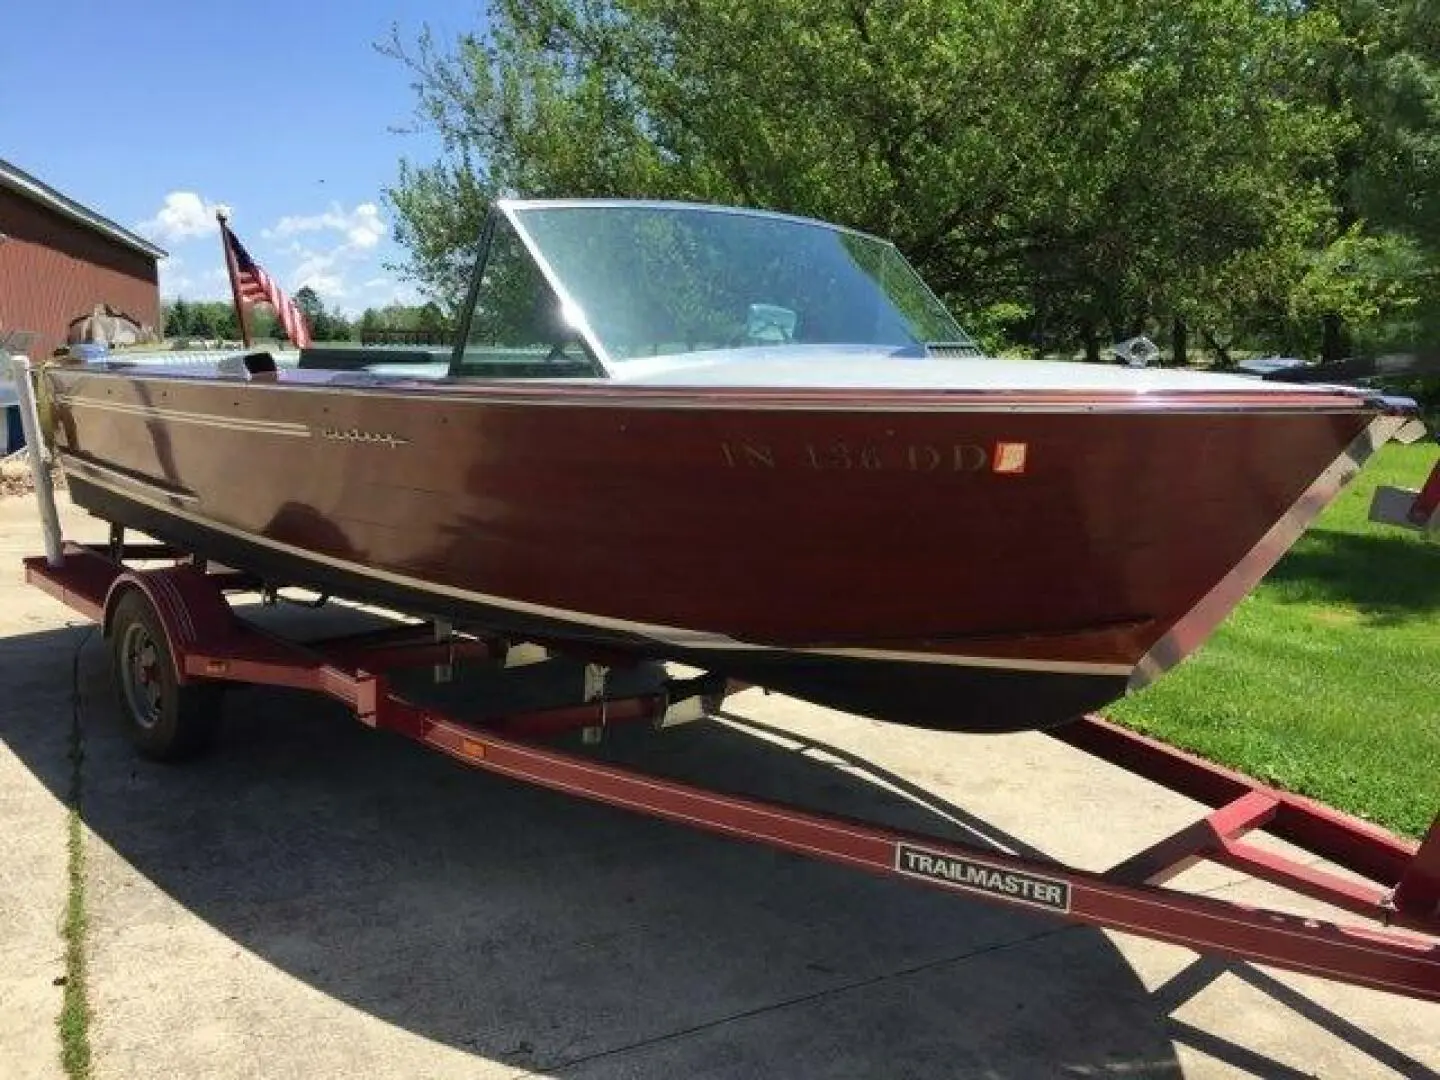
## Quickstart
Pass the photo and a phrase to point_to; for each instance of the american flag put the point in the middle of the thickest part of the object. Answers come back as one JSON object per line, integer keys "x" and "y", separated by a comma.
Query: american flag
{"x": 255, "y": 286}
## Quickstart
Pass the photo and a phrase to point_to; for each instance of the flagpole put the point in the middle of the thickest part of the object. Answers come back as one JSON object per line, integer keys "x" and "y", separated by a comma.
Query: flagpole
{"x": 240, "y": 312}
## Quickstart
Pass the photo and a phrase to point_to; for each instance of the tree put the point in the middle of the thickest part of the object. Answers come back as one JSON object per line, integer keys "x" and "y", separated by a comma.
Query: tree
{"x": 177, "y": 318}
{"x": 1387, "y": 76}
{"x": 263, "y": 324}
{"x": 225, "y": 322}
{"x": 371, "y": 322}
{"x": 397, "y": 316}
{"x": 202, "y": 321}
{"x": 431, "y": 321}
{"x": 313, "y": 308}
{"x": 1389, "y": 73}
{"x": 326, "y": 324}
{"x": 1079, "y": 177}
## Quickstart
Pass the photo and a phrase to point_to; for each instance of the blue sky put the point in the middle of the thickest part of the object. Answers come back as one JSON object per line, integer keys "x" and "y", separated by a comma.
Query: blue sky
{"x": 153, "y": 112}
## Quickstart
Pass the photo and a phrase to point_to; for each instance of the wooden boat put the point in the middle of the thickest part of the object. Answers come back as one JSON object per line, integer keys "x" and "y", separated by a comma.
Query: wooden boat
{"x": 748, "y": 442}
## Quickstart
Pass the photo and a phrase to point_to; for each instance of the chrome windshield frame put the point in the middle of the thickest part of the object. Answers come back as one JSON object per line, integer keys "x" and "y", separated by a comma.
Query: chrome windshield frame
{"x": 513, "y": 211}
{"x": 510, "y": 208}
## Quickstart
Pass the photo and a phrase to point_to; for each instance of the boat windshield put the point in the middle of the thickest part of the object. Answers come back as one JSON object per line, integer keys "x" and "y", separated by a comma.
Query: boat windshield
{"x": 648, "y": 279}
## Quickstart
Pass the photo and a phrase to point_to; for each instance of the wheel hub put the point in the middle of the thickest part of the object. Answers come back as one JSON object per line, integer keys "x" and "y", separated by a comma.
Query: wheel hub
{"x": 143, "y": 682}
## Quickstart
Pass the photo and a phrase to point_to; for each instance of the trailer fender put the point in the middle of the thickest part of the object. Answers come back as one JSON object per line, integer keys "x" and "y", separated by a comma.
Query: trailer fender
{"x": 192, "y": 611}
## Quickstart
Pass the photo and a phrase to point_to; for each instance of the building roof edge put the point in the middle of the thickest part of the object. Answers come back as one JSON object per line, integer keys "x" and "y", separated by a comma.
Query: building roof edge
{"x": 22, "y": 183}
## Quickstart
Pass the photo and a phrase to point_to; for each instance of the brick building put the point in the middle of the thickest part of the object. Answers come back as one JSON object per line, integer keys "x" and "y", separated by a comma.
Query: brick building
{"x": 60, "y": 260}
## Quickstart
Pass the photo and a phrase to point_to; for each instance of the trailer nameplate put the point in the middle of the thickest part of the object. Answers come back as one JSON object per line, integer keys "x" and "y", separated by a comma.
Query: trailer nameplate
{"x": 978, "y": 876}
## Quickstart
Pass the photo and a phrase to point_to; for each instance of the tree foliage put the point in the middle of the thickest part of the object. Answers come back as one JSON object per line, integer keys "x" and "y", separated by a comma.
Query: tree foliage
{"x": 1062, "y": 171}
{"x": 215, "y": 320}
{"x": 326, "y": 323}
{"x": 1389, "y": 77}
{"x": 200, "y": 319}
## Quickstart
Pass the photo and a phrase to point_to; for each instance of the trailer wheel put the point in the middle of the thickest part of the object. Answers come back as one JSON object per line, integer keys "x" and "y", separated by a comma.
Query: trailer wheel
{"x": 166, "y": 721}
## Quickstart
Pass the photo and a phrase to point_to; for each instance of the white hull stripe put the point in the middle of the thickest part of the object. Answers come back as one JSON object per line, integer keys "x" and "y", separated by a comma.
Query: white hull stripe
{"x": 678, "y": 637}
{"x": 229, "y": 423}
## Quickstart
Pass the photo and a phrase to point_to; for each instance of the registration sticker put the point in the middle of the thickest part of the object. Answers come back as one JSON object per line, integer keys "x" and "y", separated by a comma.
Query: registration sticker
{"x": 1009, "y": 459}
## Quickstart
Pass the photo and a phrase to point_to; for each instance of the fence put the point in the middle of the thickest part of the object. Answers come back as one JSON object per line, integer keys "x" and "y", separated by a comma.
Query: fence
{"x": 438, "y": 336}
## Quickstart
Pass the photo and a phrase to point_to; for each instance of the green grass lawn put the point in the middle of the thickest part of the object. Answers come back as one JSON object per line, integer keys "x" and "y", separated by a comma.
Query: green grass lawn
{"x": 1326, "y": 680}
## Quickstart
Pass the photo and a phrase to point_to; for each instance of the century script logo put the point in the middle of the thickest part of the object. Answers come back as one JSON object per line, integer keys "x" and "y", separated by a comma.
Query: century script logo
{"x": 380, "y": 438}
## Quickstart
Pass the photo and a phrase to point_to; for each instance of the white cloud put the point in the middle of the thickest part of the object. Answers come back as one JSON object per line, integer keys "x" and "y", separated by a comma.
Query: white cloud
{"x": 339, "y": 253}
{"x": 321, "y": 271}
{"x": 174, "y": 284}
{"x": 173, "y": 279}
{"x": 362, "y": 227}
{"x": 315, "y": 262}
{"x": 330, "y": 269}
{"x": 179, "y": 280}
{"x": 379, "y": 291}
{"x": 183, "y": 216}
{"x": 330, "y": 287}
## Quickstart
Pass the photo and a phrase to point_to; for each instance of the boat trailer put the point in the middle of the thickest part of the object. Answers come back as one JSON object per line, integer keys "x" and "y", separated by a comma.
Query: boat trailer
{"x": 176, "y": 640}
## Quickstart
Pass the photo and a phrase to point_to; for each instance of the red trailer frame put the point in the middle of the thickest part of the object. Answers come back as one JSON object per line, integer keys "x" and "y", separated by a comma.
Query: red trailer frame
{"x": 207, "y": 641}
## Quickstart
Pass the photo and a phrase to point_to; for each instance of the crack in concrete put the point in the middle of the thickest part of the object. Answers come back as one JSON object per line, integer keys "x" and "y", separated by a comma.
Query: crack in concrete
{"x": 74, "y": 1019}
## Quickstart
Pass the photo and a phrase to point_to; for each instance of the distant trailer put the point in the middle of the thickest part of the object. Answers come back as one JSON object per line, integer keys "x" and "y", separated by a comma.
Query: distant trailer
{"x": 1409, "y": 508}
{"x": 441, "y": 336}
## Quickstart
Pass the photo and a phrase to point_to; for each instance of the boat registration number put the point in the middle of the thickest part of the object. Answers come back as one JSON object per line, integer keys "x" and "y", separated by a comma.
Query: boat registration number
{"x": 974, "y": 875}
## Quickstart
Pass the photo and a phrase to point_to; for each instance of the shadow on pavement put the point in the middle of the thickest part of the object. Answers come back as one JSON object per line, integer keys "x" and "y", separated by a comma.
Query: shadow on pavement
{"x": 573, "y": 939}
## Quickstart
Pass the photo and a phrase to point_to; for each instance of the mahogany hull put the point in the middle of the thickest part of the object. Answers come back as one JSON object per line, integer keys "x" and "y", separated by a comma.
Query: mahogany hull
{"x": 969, "y": 561}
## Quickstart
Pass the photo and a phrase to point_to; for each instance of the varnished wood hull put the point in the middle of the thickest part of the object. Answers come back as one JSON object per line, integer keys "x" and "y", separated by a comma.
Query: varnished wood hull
{"x": 969, "y": 561}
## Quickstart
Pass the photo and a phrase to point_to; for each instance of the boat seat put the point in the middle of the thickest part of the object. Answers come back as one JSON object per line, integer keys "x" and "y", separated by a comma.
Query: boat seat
{"x": 260, "y": 366}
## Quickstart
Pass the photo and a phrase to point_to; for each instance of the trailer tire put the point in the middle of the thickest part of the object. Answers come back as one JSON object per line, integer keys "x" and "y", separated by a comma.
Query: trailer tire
{"x": 164, "y": 719}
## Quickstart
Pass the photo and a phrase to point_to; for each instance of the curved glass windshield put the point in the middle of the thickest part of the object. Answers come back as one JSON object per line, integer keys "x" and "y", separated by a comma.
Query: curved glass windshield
{"x": 656, "y": 279}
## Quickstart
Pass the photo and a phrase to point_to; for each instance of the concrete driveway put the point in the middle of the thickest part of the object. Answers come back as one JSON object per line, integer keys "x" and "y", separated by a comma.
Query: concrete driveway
{"x": 317, "y": 900}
